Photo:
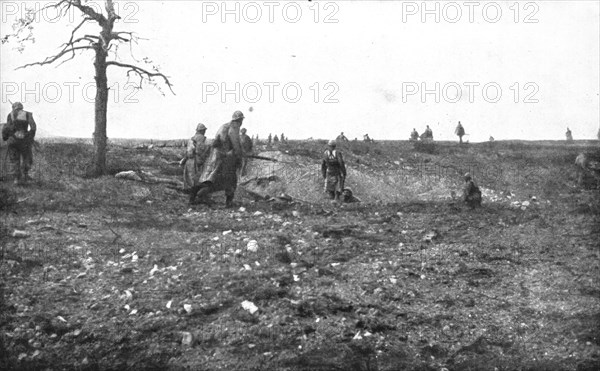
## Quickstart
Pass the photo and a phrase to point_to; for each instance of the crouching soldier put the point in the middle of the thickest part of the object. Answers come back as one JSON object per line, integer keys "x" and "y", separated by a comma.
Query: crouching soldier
{"x": 348, "y": 196}
{"x": 20, "y": 142}
{"x": 471, "y": 193}
{"x": 334, "y": 171}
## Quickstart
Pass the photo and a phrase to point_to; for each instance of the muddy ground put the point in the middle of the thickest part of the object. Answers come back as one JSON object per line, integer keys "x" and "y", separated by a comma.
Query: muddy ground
{"x": 113, "y": 274}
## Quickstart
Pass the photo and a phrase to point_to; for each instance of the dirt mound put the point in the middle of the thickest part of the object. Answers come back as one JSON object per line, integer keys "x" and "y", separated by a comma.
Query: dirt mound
{"x": 300, "y": 177}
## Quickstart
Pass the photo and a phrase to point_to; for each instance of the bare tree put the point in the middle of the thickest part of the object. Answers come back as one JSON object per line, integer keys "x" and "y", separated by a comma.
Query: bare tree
{"x": 105, "y": 46}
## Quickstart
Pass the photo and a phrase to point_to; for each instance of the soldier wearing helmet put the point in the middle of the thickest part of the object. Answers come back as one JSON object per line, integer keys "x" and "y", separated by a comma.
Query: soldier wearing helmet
{"x": 246, "y": 148}
{"x": 333, "y": 170}
{"x": 471, "y": 193}
{"x": 220, "y": 170}
{"x": 196, "y": 154}
{"x": 20, "y": 142}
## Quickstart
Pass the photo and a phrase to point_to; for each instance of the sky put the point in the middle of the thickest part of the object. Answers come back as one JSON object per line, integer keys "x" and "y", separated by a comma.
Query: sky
{"x": 507, "y": 69}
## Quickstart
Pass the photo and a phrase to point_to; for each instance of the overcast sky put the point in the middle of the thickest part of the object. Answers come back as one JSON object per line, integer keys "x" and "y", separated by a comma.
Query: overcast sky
{"x": 523, "y": 70}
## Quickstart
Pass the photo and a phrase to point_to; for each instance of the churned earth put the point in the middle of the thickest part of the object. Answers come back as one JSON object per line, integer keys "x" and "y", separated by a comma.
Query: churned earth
{"x": 113, "y": 274}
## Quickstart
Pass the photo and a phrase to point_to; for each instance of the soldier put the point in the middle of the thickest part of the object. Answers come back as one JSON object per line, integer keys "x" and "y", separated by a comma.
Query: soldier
{"x": 471, "y": 193}
{"x": 196, "y": 154}
{"x": 269, "y": 138}
{"x": 275, "y": 139}
{"x": 366, "y": 138}
{"x": 282, "y": 138}
{"x": 333, "y": 170}
{"x": 414, "y": 136}
{"x": 246, "y": 148}
{"x": 20, "y": 142}
{"x": 427, "y": 134}
{"x": 341, "y": 137}
{"x": 569, "y": 135}
{"x": 348, "y": 196}
{"x": 220, "y": 170}
{"x": 460, "y": 131}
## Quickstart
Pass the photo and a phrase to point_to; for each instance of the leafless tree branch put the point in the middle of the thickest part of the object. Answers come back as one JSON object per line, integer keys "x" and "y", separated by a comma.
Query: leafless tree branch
{"x": 142, "y": 73}
{"x": 50, "y": 60}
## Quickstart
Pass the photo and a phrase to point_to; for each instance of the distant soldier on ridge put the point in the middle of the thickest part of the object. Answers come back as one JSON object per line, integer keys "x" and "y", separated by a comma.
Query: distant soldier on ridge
{"x": 427, "y": 134}
{"x": 460, "y": 131}
{"x": 414, "y": 135}
{"x": 569, "y": 135}
{"x": 20, "y": 142}
{"x": 341, "y": 137}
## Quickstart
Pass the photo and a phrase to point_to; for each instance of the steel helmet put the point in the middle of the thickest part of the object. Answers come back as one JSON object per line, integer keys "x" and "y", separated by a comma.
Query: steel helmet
{"x": 200, "y": 127}
{"x": 468, "y": 176}
{"x": 237, "y": 115}
{"x": 331, "y": 143}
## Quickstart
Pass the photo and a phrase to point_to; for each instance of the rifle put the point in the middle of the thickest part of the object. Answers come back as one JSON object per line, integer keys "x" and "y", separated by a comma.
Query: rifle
{"x": 262, "y": 158}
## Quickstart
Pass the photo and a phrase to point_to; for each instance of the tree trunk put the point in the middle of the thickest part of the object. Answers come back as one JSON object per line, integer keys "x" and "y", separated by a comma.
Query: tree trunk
{"x": 100, "y": 109}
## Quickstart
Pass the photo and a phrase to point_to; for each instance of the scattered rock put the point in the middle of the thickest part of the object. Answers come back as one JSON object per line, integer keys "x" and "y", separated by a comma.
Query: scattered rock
{"x": 187, "y": 338}
{"x": 252, "y": 246}
{"x": 431, "y": 235}
{"x": 249, "y": 306}
{"x": 130, "y": 175}
{"x": 20, "y": 234}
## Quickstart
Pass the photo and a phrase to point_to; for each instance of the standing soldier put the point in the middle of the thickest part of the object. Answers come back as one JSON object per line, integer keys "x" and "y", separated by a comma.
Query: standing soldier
{"x": 282, "y": 138}
{"x": 196, "y": 153}
{"x": 460, "y": 131}
{"x": 333, "y": 170}
{"x": 246, "y": 149}
{"x": 20, "y": 142}
{"x": 269, "y": 139}
{"x": 471, "y": 193}
{"x": 220, "y": 170}
{"x": 569, "y": 135}
{"x": 275, "y": 139}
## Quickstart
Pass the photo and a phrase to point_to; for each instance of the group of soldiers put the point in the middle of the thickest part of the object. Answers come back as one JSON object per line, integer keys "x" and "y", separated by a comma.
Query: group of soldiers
{"x": 343, "y": 138}
{"x": 216, "y": 166}
{"x": 334, "y": 173}
{"x": 426, "y": 136}
{"x": 275, "y": 139}
{"x": 207, "y": 167}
